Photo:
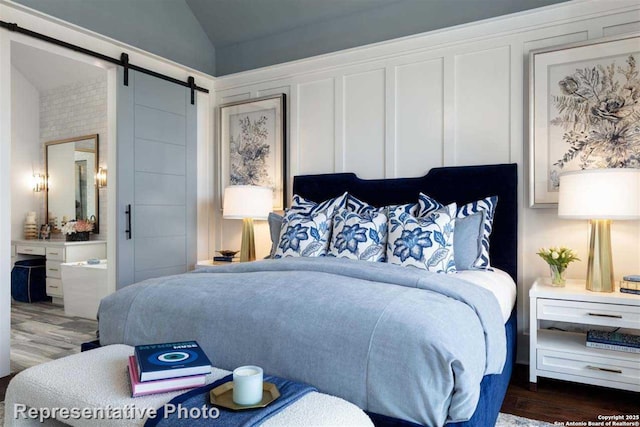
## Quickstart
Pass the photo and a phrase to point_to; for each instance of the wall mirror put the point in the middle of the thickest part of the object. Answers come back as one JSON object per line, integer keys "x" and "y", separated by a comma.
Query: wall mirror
{"x": 72, "y": 192}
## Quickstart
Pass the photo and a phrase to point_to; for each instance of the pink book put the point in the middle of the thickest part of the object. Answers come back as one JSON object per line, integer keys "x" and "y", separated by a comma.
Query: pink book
{"x": 139, "y": 388}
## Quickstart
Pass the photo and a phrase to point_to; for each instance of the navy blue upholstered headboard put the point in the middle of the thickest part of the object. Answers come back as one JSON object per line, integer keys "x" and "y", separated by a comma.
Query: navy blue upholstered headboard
{"x": 461, "y": 184}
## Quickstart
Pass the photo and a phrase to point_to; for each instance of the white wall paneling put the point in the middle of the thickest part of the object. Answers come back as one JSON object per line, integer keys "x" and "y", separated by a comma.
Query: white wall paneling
{"x": 482, "y": 111}
{"x": 451, "y": 97}
{"x": 614, "y": 30}
{"x": 316, "y": 127}
{"x": 364, "y": 123}
{"x": 419, "y": 124}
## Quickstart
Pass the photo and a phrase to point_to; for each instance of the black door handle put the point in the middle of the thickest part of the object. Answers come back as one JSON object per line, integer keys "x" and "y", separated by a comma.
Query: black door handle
{"x": 128, "y": 230}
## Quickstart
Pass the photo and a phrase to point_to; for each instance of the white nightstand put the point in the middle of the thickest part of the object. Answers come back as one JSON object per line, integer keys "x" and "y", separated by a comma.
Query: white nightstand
{"x": 210, "y": 263}
{"x": 564, "y": 355}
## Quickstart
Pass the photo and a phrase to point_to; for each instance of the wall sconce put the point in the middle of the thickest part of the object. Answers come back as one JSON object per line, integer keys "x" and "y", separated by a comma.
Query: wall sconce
{"x": 38, "y": 183}
{"x": 101, "y": 178}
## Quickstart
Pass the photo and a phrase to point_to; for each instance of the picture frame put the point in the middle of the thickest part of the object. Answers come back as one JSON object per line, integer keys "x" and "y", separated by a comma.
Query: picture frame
{"x": 253, "y": 145}
{"x": 582, "y": 111}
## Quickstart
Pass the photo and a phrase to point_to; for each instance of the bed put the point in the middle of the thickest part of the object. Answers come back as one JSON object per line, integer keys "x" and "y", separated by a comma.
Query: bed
{"x": 462, "y": 184}
{"x": 364, "y": 333}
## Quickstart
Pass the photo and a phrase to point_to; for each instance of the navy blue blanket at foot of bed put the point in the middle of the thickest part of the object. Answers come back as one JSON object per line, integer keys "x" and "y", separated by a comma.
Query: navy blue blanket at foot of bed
{"x": 290, "y": 392}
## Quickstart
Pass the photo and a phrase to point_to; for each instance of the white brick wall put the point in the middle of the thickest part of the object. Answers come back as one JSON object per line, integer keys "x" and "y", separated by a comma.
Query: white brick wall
{"x": 75, "y": 110}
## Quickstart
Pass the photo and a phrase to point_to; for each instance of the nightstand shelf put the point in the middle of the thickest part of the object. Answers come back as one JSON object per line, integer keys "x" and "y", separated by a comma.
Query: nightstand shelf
{"x": 564, "y": 355}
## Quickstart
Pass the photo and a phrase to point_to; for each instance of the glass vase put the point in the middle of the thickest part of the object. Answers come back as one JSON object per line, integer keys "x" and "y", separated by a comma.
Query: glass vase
{"x": 557, "y": 276}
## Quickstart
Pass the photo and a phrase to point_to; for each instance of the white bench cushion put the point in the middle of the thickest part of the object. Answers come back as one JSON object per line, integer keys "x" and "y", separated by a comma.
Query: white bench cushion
{"x": 99, "y": 379}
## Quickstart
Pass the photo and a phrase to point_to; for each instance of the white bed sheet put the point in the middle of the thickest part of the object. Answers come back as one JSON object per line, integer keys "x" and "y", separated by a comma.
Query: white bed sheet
{"x": 498, "y": 282}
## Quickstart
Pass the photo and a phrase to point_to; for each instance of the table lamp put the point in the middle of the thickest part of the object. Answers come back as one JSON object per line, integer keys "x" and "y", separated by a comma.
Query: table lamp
{"x": 600, "y": 195}
{"x": 247, "y": 202}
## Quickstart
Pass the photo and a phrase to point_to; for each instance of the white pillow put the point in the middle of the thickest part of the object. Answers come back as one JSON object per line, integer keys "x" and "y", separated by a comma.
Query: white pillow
{"x": 304, "y": 236}
{"x": 425, "y": 243}
{"x": 359, "y": 236}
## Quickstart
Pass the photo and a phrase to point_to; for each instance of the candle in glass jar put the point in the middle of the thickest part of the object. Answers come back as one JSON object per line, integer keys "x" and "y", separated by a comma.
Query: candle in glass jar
{"x": 247, "y": 385}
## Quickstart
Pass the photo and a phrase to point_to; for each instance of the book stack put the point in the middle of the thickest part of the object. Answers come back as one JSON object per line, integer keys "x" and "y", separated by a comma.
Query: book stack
{"x": 161, "y": 368}
{"x": 630, "y": 284}
{"x": 614, "y": 341}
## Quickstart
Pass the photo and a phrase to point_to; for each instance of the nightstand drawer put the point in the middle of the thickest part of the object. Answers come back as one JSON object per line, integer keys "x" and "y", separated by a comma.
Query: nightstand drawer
{"x": 54, "y": 287}
{"x": 55, "y": 254}
{"x": 591, "y": 313}
{"x": 589, "y": 366}
{"x": 54, "y": 269}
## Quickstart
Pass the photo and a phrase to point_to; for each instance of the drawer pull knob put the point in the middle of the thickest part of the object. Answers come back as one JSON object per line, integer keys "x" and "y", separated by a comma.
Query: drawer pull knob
{"x": 53, "y": 287}
{"x": 28, "y": 250}
{"x": 597, "y": 368}
{"x": 614, "y": 316}
{"x": 53, "y": 253}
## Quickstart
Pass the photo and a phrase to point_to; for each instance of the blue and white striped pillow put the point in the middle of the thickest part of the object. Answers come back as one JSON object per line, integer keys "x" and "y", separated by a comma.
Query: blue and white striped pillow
{"x": 486, "y": 206}
{"x": 300, "y": 205}
{"x": 358, "y": 206}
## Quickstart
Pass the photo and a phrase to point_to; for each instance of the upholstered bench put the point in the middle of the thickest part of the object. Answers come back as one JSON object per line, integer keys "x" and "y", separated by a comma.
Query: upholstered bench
{"x": 98, "y": 379}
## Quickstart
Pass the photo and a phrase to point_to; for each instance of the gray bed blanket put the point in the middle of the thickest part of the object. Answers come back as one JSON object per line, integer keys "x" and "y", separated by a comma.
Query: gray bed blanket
{"x": 393, "y": 340}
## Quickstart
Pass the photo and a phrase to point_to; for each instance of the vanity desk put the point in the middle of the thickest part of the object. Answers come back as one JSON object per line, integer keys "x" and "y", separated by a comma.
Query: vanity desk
{"x": 57, "y": 252}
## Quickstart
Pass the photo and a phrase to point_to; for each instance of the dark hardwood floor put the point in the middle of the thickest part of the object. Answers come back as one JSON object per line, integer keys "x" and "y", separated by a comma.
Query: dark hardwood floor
{"x": 561, "y": 401}
{"x": 4, "y": 382}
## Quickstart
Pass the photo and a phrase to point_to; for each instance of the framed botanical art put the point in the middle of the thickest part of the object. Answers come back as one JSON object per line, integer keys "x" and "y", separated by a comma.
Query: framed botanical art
{"x": 253, "y": 145}
{"x": 584, "y": 111}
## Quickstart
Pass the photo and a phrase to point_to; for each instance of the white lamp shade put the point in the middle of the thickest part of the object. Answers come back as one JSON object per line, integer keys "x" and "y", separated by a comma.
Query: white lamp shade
{"x": 247, "y": 201}
{"x": 600, "y": 194}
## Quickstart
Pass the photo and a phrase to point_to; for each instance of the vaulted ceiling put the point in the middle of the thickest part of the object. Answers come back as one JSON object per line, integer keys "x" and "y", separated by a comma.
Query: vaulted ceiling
{"x": 225, "y": 36}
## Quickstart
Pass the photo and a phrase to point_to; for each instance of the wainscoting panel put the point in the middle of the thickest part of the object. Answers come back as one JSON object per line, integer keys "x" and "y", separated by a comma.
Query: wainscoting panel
{"x": 316, "y": 129}
{"x": 419, "y": 117}
{"x": 482, "y": 110}
{"x": 235, "y": 97}
{"x": 364, "y": 118}
{"x": 553, "y": 41}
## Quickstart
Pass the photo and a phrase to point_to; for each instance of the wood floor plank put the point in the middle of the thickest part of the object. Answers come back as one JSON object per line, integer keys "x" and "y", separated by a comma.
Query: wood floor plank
{"x": 563, "y": 401}
{"x": 41, "y": 332}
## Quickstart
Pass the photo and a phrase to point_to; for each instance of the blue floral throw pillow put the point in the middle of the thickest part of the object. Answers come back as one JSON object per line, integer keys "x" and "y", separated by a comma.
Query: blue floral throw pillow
{"x": 359, "y": 236}
{"x": 304, "y": 236}
{"x": 486, "y": 206}
{"x": 300, "y": 205}
{"x": 425, "y": 243}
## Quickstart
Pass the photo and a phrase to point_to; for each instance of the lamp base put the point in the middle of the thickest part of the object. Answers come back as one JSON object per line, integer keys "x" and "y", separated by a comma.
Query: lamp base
{"x": 600, "y": 265}
{"x": 248, "y": 247}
